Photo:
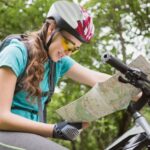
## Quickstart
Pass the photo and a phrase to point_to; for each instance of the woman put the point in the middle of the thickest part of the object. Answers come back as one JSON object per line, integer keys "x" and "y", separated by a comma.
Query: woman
{"x": 66, "y": 27}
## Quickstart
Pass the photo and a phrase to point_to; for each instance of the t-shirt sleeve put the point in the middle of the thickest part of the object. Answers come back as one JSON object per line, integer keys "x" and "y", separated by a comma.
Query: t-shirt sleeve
{"x": 67, "y": 63}
{"x": 14, "y": 56}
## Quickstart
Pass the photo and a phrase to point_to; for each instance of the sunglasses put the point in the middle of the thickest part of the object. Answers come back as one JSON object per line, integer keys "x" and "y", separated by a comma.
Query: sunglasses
{"x": 69, "y": 46}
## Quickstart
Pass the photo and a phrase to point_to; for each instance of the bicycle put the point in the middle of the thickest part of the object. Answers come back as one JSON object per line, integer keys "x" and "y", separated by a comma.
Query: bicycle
{"x": 137, "y": 137}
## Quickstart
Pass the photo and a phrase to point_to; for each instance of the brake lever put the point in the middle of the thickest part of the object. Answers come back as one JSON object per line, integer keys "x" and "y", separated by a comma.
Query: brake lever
{"x": 123, "y": 80}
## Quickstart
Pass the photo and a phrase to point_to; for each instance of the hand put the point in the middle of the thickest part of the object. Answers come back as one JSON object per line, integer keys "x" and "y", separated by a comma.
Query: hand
{"x": 85, "y": 125}
{"x": 67, "y": 131}
{"x": 137, "y": 97}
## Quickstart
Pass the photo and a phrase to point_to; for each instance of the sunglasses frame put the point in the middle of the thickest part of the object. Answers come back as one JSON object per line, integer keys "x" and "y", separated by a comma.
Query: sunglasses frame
{"x": 66, "y": 42}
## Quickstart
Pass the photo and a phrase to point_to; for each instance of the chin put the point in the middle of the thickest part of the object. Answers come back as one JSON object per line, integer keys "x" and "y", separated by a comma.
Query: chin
{"x": 55, "y": 59}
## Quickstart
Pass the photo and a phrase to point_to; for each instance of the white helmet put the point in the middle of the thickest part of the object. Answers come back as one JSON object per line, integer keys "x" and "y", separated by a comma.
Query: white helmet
{"x": 73, "y": 19}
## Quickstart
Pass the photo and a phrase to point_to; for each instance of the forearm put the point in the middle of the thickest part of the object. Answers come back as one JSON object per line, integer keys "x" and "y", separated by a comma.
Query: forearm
{"x": 86, "y": 76}
{"x": 12, "y": 122}
{"x": 93, "y": 78}
{"x": 99, "y": 76}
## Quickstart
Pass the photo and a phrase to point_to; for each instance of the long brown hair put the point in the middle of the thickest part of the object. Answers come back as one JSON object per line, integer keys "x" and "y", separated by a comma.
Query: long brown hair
{"x": 37, "y": 56}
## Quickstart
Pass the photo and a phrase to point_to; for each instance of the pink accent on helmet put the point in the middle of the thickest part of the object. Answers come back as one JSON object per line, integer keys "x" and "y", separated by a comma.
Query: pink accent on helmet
{"x": 85, "y": 27}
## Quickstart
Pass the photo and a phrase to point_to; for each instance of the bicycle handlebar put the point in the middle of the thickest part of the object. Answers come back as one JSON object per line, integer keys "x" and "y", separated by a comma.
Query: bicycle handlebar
{"x": 133, "y": 76}
{"x": 116, "y": 63}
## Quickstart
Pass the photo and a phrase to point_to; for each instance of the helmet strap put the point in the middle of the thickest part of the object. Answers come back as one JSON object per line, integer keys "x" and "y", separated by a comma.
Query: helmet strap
{"x": 51, "y": 38}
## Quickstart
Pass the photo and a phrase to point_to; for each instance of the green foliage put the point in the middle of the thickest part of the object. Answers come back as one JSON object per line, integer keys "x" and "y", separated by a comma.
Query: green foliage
{"x": 18, "y": 16}
{"x": 118, "y": 24}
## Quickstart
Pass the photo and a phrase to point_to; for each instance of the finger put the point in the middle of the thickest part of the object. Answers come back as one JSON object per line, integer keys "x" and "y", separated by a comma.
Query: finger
{"x": 85, "y": 125}
{"x": 135, "y": 98}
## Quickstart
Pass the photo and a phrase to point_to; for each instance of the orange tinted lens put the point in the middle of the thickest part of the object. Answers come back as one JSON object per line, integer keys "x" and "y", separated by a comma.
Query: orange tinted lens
{"x": 69, "y": 46}
{"x": 68, "y": 43}
{"x": 65, "y": 44}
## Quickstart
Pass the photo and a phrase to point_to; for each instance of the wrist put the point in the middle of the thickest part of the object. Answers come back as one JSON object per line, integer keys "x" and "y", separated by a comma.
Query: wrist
{"x": 51, "y": 129}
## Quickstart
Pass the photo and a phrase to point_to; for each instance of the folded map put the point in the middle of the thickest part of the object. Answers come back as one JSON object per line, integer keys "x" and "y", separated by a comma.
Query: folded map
{"x": 104, "y": 98}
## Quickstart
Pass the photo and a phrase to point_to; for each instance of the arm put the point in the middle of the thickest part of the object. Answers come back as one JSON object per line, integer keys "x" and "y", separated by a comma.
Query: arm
{"x": 85, "y": 75}
{"x": 13, "y": 122}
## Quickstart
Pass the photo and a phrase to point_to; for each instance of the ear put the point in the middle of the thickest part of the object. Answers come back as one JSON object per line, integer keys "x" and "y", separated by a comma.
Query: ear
{"x": 51, "y": 28}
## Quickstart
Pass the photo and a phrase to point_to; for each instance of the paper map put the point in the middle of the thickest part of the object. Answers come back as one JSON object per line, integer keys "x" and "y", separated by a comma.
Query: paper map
{"x": 104, "y": 98}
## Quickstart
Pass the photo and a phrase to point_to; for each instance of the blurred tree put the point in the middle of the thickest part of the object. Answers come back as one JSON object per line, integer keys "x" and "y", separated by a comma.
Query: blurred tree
{"x": 19, "y": 16}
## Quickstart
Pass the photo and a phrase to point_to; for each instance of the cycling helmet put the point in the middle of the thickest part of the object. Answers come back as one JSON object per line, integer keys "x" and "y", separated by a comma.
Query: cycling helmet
{"x": 73, "y": 19}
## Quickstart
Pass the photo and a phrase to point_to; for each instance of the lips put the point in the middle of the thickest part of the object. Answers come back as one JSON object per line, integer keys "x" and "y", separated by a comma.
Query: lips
{"x": 60, "y": 54}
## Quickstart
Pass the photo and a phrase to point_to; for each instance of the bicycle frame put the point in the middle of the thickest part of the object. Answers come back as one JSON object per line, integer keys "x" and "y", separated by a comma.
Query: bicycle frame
{"x": 134, "y": 139}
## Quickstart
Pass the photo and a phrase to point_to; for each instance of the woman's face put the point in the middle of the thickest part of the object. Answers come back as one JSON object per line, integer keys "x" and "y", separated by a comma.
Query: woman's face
{"x": 63, "y": 44}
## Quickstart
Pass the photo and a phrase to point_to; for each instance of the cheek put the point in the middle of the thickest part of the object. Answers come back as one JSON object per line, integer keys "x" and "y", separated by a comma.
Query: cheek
{"x": 54, "y": 47}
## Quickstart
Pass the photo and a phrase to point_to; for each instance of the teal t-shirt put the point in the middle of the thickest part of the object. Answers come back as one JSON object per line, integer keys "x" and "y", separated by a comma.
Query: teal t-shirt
{"x": 15, "y": 56}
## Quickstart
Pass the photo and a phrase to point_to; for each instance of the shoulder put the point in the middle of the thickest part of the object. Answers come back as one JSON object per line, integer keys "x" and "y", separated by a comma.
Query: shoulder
{"x": 17, "y": 46}
{"x": 14, "y": 56}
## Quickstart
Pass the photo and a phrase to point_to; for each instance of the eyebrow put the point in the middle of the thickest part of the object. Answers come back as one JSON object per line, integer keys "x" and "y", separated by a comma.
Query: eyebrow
{"x": 68, "y": 40}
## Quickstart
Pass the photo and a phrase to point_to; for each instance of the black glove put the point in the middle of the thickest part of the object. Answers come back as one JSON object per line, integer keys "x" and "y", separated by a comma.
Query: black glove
{"x": 67, "y": 131}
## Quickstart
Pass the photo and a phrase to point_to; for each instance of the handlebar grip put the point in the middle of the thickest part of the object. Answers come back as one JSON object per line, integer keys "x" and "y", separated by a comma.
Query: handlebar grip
{"x": 115, "y": 62}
